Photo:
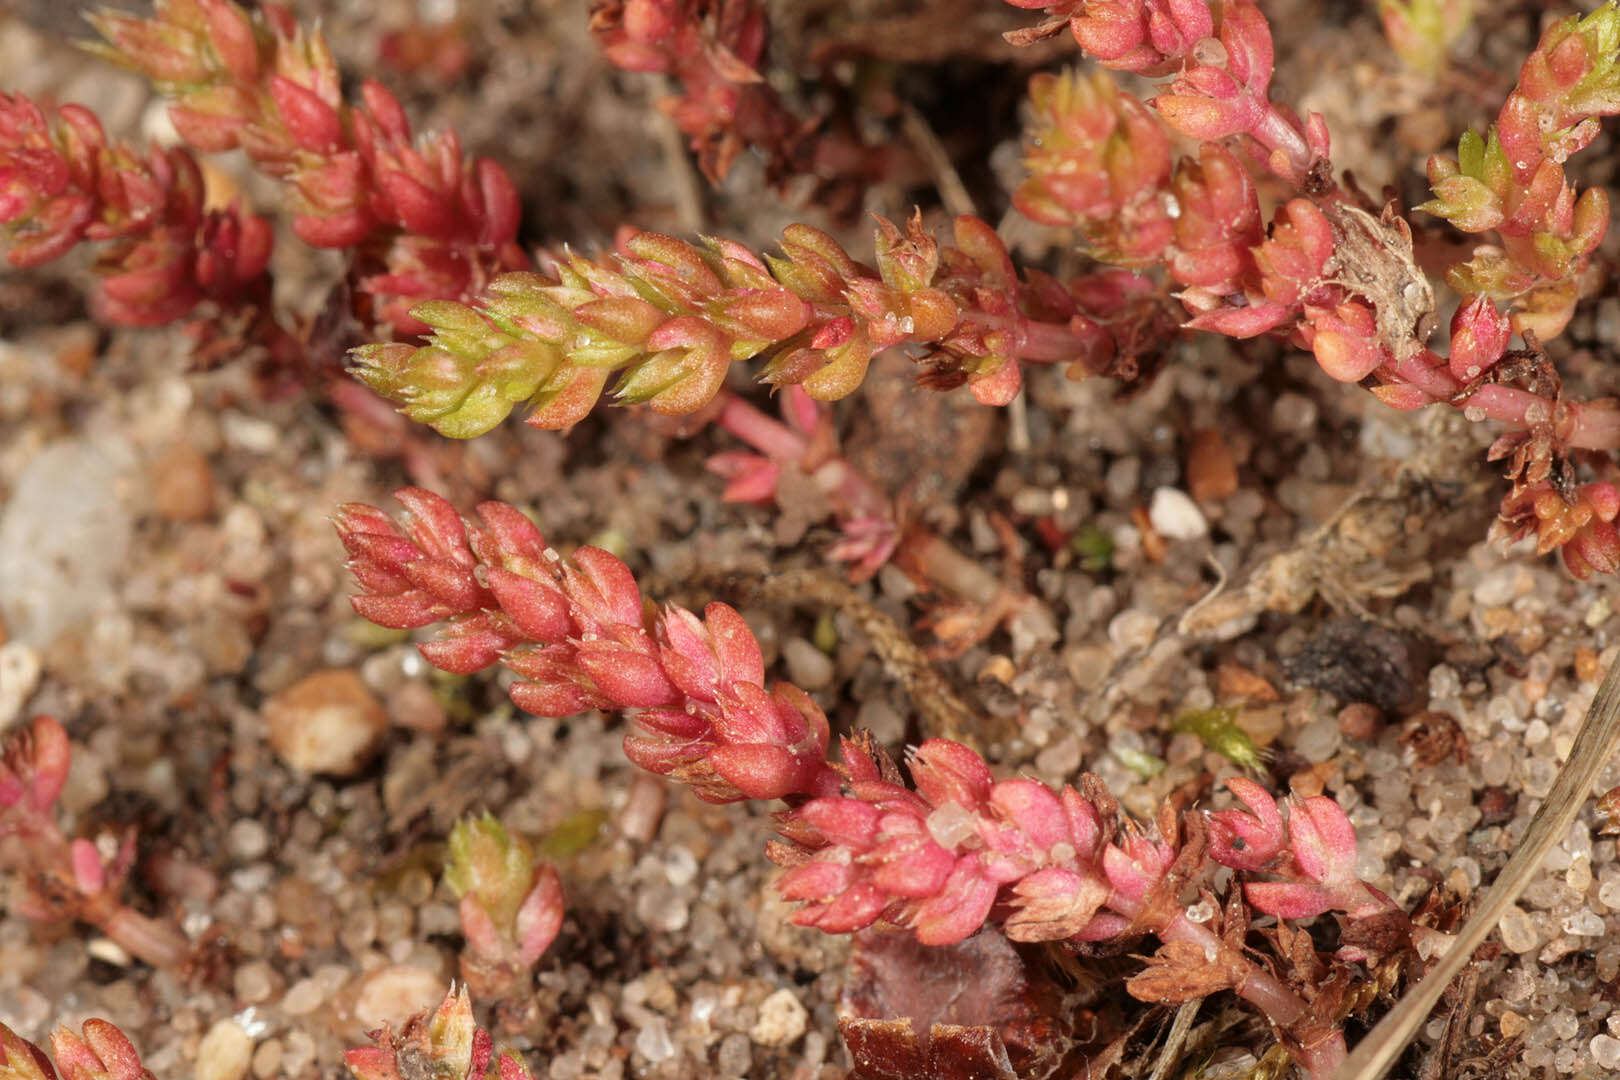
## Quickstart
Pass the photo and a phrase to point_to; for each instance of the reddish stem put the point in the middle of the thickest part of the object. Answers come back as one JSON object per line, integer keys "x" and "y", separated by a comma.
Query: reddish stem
{"x": 1053, "y": 343}
{"x": 853, "y": 496}
{"x": 1260, "y": 988}
{"x": 155, "y": 941}
{"x": 770, "y": 437}
{"x": 1595, "y": 426}
{"x": 1275, "y": 132}
{"x": 48, "y": 857}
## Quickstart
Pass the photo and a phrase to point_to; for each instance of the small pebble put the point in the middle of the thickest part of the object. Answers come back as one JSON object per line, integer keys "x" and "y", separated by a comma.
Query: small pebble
{"x": 416, "y": 886}
{"x": 255, "y": 982}
{"x": 807, "y": 666}
{"x": 1061, "y": 759}
{"x": 680, "y": 866}
{"x": 1319, "y": 740}
{"x": 735, "y": 1056}
{"x": 643, "y": 808}
{"x": 247, "y": 839}
{"x": 1605, "y": 1052}
{"x": 250, "y": 434}
{"x": 109, "y": 951}
{"x": 225, "y": 1052}
{"x": 327, "y": 722}
{"x": 267, "y": 1059}
{"x": 298, "y": 1052}
{"x": 394, "y": 994}
{"x": 182, "y": 484}
{"x": 1360, "y": 721}
{"x": 414, "y": 705}
{"x": 882, "y": 720}
{"x": 1175, "y": 516}
{"x": 781, "y": 1021}
{"x": 1121, "y": 480}
{"x": 1518, "y": 931}
{"x": 66, "y": 535}
{"x": 1584, "y": 923}
{"x": 653, "y": 1041}
{"x": 19, "y": 675}
{"x": 1211, "y": 466}
{"x": 1293, "y": 413}
{"x": 1133, "y": 629}
{"x": 303, "y": 997}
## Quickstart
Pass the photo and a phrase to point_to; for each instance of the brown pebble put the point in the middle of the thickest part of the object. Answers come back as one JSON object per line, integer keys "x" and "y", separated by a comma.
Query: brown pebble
{"x": 1360, "y": 721}
{"x": 182, "y": 484}
{"x": 327, "y": 722}
{"x": 1497, "y": 805}
{"x": 1309, "y": 783}
{"x": 1608, "y": 805}
{"x": 1211, "y": 467}
{"x": 643, "y": 808}
{"x": 1587, "y": 668}
{"x": 1423, "y": 130}
{"x": 415, "y": 706}
{"x": 1236, "y": 681}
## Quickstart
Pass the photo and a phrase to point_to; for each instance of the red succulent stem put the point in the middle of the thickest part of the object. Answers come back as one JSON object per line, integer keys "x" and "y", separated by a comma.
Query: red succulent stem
{"x": 941, "y": 856}
{"x": 713, "y": 50}
{"x": 63, "y": 878}
{"x": 770, "y": 437}
{"x": 864, "y": 513}
{"x": 1594, "y": 426}
{"x": 1280, "y": 135}
{"x": 154, "y": 941}
{"x": 429, "y": 223}
{"x": 579, "y": 635}
{"x": 1319, "y": 1056}
{"x": 64, "y": 183}
{"x": 1058, "y": 343}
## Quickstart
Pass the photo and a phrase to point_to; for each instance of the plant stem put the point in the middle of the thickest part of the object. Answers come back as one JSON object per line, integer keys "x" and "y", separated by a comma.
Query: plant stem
{"x": 770, "y": 437}
{"x": 1258, "y": 987}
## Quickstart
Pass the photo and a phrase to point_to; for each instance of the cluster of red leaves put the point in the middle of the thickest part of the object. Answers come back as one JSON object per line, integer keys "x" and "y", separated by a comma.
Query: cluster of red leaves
{"x": 804, "y": 440}
{"x": 1512, "y": 181}
{"x": 942, "y": 856}
{"x": 103, "y": 1052}
{"x": 1327, "y": 273}
{"x": 428, "y": 223}
{"x": 576, "y": 634}
{"x": 62, "y": 878}
{"x": 447, "y": 1043}
{"x": 723, "y": 104}
{"x": 712, "y": 48}
{"x": 63, "y": 183}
